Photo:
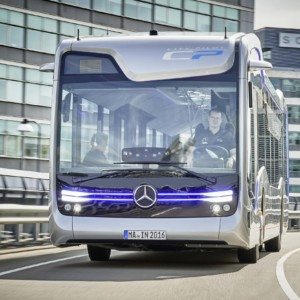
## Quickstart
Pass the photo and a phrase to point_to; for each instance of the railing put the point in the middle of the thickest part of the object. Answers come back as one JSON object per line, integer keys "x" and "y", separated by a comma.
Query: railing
{"x": 18, "y": 215}
{"x": 24, "y": 211}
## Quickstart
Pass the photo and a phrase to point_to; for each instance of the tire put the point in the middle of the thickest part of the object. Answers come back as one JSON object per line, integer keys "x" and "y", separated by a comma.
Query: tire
{"x": 98, "y": 254}
{"x": 249, "y": 256}
{"x": 273, "y": 245}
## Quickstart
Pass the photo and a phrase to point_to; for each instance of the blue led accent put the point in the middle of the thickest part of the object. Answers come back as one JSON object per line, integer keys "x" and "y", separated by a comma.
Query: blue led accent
{"x": 80, "y": 196}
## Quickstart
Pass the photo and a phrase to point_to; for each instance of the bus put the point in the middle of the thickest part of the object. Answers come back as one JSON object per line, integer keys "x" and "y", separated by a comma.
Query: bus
{"x": 144, "y": 102}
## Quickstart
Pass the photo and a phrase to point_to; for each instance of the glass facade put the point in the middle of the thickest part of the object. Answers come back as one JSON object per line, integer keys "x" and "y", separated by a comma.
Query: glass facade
{"x": 294, "y": 114}
{"x": 289, "y": 86}
{"x": 18, "y": 84}
{"x": 294, "y": 188}
{"x": 40, "y": 34}
{"x": 294, "y": 167}
{"x": 11, "y": 140}
{"x": 189, "y": 14}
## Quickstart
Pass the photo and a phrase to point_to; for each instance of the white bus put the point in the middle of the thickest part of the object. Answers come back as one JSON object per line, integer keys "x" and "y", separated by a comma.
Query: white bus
{"x": 135, "y": 161}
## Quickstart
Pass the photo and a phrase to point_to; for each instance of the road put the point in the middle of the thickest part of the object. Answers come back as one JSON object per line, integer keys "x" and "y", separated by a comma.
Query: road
{"x": 146, "y": 275}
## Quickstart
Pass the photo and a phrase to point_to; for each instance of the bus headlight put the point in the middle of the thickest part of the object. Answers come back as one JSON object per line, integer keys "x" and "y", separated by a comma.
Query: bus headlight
{"x": 77, "y": 208}
{"x": 216, "y": 208}
{"x": 68, "y": 207}
{"x": 226, "y": 207}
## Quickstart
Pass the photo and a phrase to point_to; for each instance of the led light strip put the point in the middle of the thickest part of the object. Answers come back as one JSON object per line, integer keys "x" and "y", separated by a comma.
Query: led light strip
{"x": 213, "y": 197}
{"x": 84, "y": 199}
{"x": 208, "y": 194}
{"x": 213, "y": 200}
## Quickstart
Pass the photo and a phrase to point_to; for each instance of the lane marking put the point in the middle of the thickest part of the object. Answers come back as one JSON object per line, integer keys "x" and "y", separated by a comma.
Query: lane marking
{"x": 281, "y": 276}
{"x": 40, "y": 264}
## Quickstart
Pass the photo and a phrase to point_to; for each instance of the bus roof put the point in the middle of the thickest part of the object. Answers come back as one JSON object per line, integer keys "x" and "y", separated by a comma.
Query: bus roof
{"x": 144, "y": 57}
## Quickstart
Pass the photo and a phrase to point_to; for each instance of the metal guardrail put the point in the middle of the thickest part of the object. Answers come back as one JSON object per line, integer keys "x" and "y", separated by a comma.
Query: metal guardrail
{"x": 294, "y": 214}
{"x": 20, "y": 215}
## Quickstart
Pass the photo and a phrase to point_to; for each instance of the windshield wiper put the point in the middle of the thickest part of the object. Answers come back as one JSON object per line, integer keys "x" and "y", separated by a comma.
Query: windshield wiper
{"x": 125, "y": 172}
{"x": 78, "y": 174}
{"x": 176, "y": 166}
{"x": 90, "y": 177}
{"x": 167, "y": 163}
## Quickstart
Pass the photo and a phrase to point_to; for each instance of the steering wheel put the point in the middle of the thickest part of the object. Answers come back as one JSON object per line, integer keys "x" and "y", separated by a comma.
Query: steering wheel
{"x": 213, "y": 151}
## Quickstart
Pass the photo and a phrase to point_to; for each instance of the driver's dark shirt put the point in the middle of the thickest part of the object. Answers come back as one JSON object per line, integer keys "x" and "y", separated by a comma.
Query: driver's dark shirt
{"x": 95, "y": 157}
{"x": 222, "y": 138}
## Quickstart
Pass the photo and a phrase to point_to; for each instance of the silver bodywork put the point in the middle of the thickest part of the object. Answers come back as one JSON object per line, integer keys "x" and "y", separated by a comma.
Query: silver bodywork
{"x": 135, "y": 56}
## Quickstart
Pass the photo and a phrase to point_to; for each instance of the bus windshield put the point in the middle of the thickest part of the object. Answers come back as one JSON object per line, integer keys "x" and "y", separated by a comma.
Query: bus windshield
{"x": 107, "y": 122}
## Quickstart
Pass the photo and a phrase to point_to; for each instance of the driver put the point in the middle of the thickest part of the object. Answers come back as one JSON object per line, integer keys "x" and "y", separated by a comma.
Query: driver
{"x": 96, "y": 156}
{"x": 214, "y": 135}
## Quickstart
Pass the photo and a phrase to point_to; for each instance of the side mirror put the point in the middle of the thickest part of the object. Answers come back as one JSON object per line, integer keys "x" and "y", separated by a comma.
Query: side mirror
{"x": 256, "y": 65}
{"x": 47, "y": 67}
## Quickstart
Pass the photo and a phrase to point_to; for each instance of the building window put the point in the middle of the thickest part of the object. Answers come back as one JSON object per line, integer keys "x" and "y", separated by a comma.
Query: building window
{"x": 11, "y": 17}
{"x": 294, "y": 141}
{"x": 294, "y": 166}
{"x": 99, "y": 32}
{"x": 70, "y": 29}
{"x": 11, "y": 91}
{"x": 138, "y": 10}
{"x": 109, "y": 6}
{"x": 196, "y": 22}
{"x": 41, "y": 41}
{"x": 294, "y": 189}
{"x": 10, "y": 140}
{"x": 291, "y": 88}
{"x": 225, "y": 17}
{"x": 267, "y": 53}
{"x": 11, "y": 36}
{"x": 80, "y": 3}
{"x": 168, "y": 16}
{"x": 41, "y": 33}
{"x": 218, "y": 25}
{"x": 38, "y": 94}
{"x": 11, "y": 72}
{"x": 43, "y": 24}
{"x": 38, "y": 85}
{"x": 33, "y": 75}
{"x": 294, "y": 114}
{"x": 225, "y": 12}
{"x": 172, "y": 3}
{"x": 197, "y": 6}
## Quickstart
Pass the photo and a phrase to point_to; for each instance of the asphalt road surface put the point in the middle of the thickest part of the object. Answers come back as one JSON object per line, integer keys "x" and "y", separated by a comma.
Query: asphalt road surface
{"x": 54, "y": 273}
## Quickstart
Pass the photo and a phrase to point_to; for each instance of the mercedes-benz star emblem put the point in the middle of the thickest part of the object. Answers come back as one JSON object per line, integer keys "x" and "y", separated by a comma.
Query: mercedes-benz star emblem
{"x": 144, "y": 196}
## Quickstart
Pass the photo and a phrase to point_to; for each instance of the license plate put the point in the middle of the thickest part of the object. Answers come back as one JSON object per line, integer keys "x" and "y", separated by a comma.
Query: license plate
{"x": 145, "y": 235}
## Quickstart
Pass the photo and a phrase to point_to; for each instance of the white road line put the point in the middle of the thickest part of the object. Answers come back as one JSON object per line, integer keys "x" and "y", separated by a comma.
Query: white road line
{"x": 281, "y": 277}
{"x": 40, "y": 264}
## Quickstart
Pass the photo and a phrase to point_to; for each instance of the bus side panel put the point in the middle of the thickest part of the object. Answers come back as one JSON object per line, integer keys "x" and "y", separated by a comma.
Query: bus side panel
{"x": 60, "y": 225}
{"x": 235, "y": 230}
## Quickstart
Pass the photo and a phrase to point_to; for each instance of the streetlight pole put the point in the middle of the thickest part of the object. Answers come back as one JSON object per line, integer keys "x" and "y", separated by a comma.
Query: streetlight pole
{"x": 26, "y": 127}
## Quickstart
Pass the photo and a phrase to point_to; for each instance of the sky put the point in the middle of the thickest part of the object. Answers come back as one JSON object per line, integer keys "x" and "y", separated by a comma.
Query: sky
{"x": 277, "y": 13}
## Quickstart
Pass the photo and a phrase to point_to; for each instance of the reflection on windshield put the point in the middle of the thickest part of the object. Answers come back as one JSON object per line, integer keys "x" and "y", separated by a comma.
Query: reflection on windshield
{"x": 191, "y": 122}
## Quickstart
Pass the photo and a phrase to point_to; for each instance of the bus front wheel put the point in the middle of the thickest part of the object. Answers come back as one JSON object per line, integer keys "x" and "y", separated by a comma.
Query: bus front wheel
{"x": 97, "y": 253}
{"x": 249, "y": 256}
